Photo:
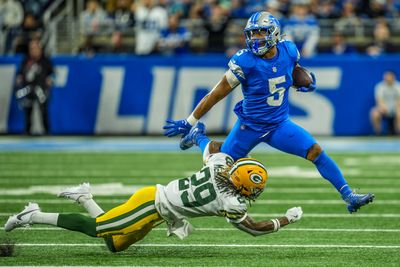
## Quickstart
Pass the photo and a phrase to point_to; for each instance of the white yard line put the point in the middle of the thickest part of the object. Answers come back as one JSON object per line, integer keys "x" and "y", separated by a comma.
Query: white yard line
{"x": 327, "y": 190}
{"x": 235, "y": 230}
{"x": 318, "y": 202}
{"x": 334, "y": 215}
{"x": 308, "y": 215}
{"x": 212, "y": 245}
{"x": 261, "y": 201}
{"x": 116, "y": 189}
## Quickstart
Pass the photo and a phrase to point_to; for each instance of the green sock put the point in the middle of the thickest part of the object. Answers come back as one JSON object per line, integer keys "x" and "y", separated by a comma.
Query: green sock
{"x": 78, "y": 222}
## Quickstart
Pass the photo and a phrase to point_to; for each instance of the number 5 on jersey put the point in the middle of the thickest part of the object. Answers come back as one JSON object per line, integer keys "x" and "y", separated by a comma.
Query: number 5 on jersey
{"x": 273, "y": 89}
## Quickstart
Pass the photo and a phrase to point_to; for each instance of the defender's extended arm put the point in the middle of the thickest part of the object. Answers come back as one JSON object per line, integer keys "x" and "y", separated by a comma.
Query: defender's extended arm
{"x": 254, "y": 228}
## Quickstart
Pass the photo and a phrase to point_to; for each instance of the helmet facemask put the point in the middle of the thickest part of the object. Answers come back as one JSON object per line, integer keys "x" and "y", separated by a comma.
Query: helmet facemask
{"x": 267, "y": 28}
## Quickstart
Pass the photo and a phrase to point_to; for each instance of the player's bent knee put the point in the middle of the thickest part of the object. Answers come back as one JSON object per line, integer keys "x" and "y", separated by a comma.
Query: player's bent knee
{"x": 110, "y": 243}
{"x": 314, "y": 152}
{"x": 215, "y": 147}
{"x": 116, "y": 243}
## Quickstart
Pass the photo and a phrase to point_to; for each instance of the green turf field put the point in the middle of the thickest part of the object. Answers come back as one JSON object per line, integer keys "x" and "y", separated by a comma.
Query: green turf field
{"x": 326, "y": 236}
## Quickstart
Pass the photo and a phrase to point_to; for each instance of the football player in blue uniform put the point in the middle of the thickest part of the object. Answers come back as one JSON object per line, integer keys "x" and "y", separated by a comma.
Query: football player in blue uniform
{"x": 264, "y": 70}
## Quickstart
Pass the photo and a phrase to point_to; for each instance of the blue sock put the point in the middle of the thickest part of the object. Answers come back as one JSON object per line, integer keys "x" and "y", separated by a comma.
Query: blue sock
{"x": 202, "y": 141}
{"x": 331, "y": 172}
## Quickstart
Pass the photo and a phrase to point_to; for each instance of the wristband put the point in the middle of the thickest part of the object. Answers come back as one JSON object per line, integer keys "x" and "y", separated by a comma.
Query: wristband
{"x": 277, "y": 224}
{"x": 191, "y": 120}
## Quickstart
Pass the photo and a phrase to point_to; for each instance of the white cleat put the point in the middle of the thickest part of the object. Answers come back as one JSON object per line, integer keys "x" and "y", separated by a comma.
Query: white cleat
{"x": 23, "y": 218}
{"x": 77, "y": 192}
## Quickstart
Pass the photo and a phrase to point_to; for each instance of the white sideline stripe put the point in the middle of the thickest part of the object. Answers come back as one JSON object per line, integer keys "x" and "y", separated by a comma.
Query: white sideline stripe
{"x": 211, "y": 245}
{"x": 235, "y": 230}
{"x": 262, "y": 201}
{"x": 326, "y": 190}
{"x": 307, "y": 215}
{"x": 317, "y": 202}
{"x": 332, "y": 215}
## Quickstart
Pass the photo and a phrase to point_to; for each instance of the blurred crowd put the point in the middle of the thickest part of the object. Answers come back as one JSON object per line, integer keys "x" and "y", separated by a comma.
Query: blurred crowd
{"x": 144, "y": 27}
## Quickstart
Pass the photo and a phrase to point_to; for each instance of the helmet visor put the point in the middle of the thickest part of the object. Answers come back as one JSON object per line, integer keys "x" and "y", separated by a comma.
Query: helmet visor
{"x": 260, "y": 40}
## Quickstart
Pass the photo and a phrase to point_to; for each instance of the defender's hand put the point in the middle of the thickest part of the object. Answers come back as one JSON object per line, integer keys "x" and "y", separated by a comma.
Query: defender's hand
{"x": 312, "y": 86}
{"x": 173, "y": 128}
{"x": 294, "y": 214}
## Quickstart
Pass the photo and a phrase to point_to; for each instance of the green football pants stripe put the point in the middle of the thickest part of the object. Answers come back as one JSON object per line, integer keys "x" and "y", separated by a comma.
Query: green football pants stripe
{"x": 123, "y": 224}
{"x": 125, "y": 215}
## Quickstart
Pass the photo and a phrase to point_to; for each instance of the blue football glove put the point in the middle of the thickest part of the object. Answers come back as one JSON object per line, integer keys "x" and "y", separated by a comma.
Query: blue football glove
{"x": 312, "y": 86}
{"x": 176, "y": 127}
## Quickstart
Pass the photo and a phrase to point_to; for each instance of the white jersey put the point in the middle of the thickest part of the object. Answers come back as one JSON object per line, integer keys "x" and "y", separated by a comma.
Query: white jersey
{"x": 199, "y": 195}
{"x": 149, "y": 23}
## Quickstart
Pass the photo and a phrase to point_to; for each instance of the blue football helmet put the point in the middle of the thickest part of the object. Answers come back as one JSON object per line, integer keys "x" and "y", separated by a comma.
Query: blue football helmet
{"x": 262, "y": 22}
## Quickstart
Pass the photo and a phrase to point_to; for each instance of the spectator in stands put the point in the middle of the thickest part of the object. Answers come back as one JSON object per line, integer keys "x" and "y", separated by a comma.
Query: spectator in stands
{"x": 238, "y": 10}
{"x": 32, "y": 29}
{"x": 117, "y": 45}
{"x": 381, "y": 44}
{"x": 123, "y": 21}
{"x": 33, "y": 83}
{"x": 252, "y": 6}
{"x": 174, "y": 40}
{"x": 122, "y": 17}
{"x": 89, "y": 48}
{"x": 195, "y": 24}
{"x": 284, "y": 6}
{"x": 326, "y": 9}
{"x": 340, "y": 46}
{"x": 273, "y": 7}
{"x": 376, "y": 8}
{"x": 35, "y": 7}
{"x": 93, "y": 19}
{"x": 197, "y": 11}
{"x": 302, "y": 28}
{"x": 349, "y": 24}
{"x": 150, "y": 20}
{"x": 235, "y": 46}
{"x": 392, "y": 9}
{"x": 11, "y": 17}
{"x": 216, "y": 27}
{"x": 387, "y": 97}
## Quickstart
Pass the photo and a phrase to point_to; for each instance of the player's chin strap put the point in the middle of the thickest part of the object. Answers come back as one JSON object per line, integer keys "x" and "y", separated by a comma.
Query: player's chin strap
{"x": 277, "y": 226}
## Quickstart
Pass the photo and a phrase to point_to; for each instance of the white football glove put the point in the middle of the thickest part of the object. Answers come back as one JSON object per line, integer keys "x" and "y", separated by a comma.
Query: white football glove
{"x": 294, "y": 214}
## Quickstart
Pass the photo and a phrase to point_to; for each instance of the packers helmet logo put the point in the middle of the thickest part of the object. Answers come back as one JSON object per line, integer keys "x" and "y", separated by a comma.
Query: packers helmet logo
{"x": 256, "y": 178}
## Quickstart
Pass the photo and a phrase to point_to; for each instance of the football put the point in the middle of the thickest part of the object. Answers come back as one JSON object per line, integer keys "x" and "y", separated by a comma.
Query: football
{"x": 301, "y": 77}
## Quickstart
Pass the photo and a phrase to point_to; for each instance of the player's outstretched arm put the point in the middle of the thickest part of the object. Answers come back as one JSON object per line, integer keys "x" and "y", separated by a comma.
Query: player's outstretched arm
{"x": 254, "y": 228}
{"x": 222, "y": 89}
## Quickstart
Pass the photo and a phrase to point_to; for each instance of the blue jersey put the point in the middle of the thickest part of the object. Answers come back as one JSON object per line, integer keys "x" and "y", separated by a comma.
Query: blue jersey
{"x": 265, "y": 86}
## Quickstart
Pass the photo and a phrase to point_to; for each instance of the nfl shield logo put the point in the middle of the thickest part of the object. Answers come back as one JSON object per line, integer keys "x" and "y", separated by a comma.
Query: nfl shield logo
{"x": 274, "y": 69}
